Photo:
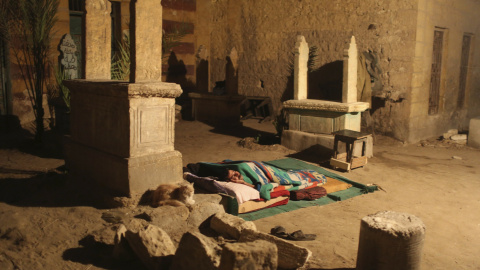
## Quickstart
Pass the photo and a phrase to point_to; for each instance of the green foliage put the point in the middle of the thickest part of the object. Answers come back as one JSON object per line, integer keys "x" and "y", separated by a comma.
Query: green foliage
{"x": 173, "y": 39}
{"x": 121, "y": 61}
{"x": 60, "y": 76}
{"x": 28, "y": 25}
{"x": 312, "y": 58}
{"x": 280, "y": 122}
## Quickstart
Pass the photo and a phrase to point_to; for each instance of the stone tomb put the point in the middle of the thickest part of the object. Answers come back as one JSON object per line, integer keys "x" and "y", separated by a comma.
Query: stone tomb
{"x": 220, "y": 109}
{"x": 122, "y": 133}
{"x": 311, "y": 122}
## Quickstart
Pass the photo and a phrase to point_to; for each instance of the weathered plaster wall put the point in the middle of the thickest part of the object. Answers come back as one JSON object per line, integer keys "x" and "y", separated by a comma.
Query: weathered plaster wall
{"x": 456, "y": 18}
{"x": 264, "y": 34}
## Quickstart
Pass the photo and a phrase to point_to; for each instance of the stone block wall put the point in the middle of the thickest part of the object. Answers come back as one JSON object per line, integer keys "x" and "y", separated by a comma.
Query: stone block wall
{"x": 264, "y": 34}
{"x": 401, "y": 32}
{"x": 455, "y": 19}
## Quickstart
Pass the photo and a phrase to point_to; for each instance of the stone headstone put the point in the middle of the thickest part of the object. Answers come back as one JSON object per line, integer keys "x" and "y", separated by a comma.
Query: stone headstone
{"x": 300, "y": 69}
{"x": 350, "y": 65}
{"x": 145, "y": 40}
{"x": 68, "y": 58}
{"x": 98, "y": 47}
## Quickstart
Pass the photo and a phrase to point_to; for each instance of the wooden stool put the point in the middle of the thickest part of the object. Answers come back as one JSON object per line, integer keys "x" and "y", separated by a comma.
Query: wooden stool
{"x": 348, "y": 161}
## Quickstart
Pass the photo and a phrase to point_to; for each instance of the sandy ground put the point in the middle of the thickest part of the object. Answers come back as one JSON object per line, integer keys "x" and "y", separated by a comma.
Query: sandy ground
{"x": 46, "y": 223}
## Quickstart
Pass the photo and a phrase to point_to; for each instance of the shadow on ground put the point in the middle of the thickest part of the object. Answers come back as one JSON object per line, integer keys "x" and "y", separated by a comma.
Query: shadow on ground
{"x": 23, "y": 140}
{"x": 100, "y": 255}
{"x": 53, "y": 189}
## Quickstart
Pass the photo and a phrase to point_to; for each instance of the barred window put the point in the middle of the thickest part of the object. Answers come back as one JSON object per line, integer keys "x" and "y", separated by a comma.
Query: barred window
{"x": 76, "y": 5}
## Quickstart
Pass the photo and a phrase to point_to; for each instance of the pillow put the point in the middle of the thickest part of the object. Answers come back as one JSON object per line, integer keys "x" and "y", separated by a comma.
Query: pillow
{"x": 242, "y": 192}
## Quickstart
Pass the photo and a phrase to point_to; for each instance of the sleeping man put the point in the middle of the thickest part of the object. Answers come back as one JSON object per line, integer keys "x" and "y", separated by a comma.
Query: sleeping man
{"x": 257, "y": 175}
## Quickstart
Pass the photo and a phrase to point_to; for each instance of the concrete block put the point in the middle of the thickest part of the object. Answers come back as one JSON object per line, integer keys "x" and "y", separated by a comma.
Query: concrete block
{"x": 258, "y": 254}
{"x": 290, "y": 256}
{"x": 229, "y": 225}
{"x": 474, "y": 133}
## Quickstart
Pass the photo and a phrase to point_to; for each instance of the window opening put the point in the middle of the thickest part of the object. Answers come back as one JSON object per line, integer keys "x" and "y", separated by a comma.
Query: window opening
{"x": 435, "y": 79}
{"x": 464, "y": 70}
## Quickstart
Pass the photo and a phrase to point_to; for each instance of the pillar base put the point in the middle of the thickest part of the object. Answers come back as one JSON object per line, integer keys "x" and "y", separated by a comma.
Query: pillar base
{"x": 122, "y": 176}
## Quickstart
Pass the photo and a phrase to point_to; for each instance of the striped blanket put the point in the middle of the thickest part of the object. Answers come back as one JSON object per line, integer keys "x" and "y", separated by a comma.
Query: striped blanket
{"x": 269, "y": 178}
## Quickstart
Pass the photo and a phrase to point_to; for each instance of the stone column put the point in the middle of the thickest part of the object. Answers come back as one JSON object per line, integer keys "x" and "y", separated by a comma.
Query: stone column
{"x": 122, "y": 134}
{"x": 231, "y": 76}
{"x": 390, "y": 240}
{"x": 145, "y": 40}
{"x": 300, "y": 69}
{"x": 97, "y": 41}
{"x": 350, "y": 63}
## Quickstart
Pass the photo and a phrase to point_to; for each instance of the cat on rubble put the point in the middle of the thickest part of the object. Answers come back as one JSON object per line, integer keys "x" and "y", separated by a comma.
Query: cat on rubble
{"x": 174, "y": 195}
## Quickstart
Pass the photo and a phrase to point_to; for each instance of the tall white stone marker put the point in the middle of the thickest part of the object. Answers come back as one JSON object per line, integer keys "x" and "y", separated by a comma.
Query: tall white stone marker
{"x": 350, "y": 63}
{"x": 300, "y": 69}
{"x": 69, "y": 59}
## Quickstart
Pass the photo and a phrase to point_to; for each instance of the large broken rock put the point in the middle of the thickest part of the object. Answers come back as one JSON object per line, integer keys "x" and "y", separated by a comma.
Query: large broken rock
{"x": 202, "y": 210}
{"x": 121, "y": 249}
{"x": 197, "y": 251}
{"x": 171, "y": 219}
{"x": 259, "y": 255}
{"x": 290, "y": 256}
{"x": 229, "y": 225}
{"x": 152, "y": 245}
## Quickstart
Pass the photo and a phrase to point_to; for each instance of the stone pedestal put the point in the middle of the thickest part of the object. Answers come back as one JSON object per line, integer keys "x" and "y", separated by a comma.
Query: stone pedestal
{"x": 218, "y": 110}
{"x": 390, "y": 240}
{"x": 312, "y": 122}
{"x": 123, "y": 134}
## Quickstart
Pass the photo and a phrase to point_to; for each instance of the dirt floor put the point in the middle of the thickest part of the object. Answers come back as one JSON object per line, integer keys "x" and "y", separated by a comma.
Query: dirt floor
{"x": 47, "y": 223}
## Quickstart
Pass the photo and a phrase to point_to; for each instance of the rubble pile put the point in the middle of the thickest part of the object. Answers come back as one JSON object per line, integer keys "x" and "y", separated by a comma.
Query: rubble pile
{"x": 205, "y": 238}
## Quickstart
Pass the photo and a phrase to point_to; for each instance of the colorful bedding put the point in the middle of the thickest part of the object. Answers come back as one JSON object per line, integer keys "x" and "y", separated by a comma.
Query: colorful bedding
{"x": 267, "y": 178}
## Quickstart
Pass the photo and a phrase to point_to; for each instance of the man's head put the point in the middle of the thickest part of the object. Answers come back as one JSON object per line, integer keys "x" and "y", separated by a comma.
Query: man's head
{"x": 231, "y": 175}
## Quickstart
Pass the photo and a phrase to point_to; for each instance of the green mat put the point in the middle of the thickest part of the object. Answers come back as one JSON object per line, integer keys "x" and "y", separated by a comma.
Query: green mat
{"x": 295, "y": 164}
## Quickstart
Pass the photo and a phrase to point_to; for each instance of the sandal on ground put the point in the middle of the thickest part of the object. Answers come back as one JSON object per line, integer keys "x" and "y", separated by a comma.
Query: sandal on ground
{"x": 300, "y": 236}
{"x": 279, "y": 231}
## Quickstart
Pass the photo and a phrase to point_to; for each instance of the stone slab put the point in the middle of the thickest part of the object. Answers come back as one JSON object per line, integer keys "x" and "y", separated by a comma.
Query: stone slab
{"x": 219, "y": 110}
{"x": 323, "y": 122}
{"x": 258, "y": 254}
{"x": 229, "y": 225}
{"x": 300, "y": 141}
{"x": 474, "y": 133}
{"x": 323, "y": 105}
{"x": 122, "y": 176}
{"x": 290, "y": 256}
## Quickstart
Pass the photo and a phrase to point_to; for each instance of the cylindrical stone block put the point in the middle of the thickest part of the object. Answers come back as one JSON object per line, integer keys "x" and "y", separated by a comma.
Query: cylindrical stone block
{"x": 390, "y": 241}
